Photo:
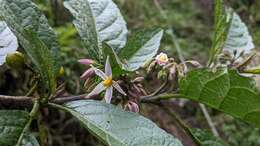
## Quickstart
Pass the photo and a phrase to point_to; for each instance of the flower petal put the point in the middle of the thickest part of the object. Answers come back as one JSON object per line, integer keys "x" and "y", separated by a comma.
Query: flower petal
{"x": 100, "y": 73}
{"x": 2, "y": 59}
{"x": 108, "y": 69}
{"x": 109, "y": 94}
{"x": 118, "y": 88}
{"x": 99, "y": 88}
{"x": 87, "y": 74}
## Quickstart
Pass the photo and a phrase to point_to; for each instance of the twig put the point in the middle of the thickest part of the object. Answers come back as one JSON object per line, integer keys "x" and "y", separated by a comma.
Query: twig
{"x": 62, "y": 100}
{"x": 156, "y": 92}
{"x": 33, "y": 113}
{"x": 209, "y": 120}
{"x": 25, "y": 101}
{"x": 16, "y": 101}
{"x": 157, "y": 98}
{"x": 31, "y": 91}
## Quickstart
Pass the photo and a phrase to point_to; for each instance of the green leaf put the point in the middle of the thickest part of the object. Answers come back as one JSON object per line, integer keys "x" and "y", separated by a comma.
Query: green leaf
{"x": 29, "y": 140}
{"x": 140, "y": 48}
{"x": 207, "y": 139}
{"x": 238, "y": 38}
{"x": 117, "y": 127}
{"x": 12, "y": 124}
{"x": 97, "y": 22}
{"x": 35, "y": 35}
{"x": 222, "y": 23}
{"x": 224, "y": 90}
{"x": 117, "y": 65}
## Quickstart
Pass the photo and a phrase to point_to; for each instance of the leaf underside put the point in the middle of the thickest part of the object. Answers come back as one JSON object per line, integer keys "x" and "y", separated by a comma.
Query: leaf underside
{"x": 224, "y": 90}
{"x": 116, "y": 127}
{"x": 98, "y": 22}
{"x": 238, "y": 37}
{"x": 12, "y": 124}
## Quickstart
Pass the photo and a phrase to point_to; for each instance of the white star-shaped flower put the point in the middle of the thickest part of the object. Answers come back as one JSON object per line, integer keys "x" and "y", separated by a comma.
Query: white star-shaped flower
{"x": 107, "y": 84}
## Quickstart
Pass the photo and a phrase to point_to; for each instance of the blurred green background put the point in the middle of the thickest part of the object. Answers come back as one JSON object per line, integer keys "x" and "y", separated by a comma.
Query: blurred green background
{"x": 192, "y": 24}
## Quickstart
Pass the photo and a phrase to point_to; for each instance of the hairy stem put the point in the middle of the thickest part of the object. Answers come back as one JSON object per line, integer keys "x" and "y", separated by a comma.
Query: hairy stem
{"x": 32, "y": 90}
{"x": 209, "y": 120}
{"x": 33, "y": 113}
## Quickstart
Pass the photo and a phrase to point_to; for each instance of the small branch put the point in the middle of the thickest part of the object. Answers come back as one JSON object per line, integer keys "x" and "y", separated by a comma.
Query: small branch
{"x": 32, "y": 90}
{"x": 157, "y": 98}
{"x": 157, "y": 91}
{"x": 62, "y": 100}
{"x": 33, "y": 114}
{"x": 25, "y": 101}
{"x": 209, "y": 120}
{"x": 13, "y": 101}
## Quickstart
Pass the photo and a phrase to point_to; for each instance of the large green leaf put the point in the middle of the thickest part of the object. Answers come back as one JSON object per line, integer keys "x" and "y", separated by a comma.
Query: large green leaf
{"x": 207, "y": 139}
{"x": 140, "y": 48}
{"x": 12, "y": 124}
{"x": 117, "y": 127}
{"x": 98, "y": 21}
{"x": 224, "y": 90}
{"x": 117, "y": 65}
{"x": 238, "y": 38}
{"x": 31, "y": 27}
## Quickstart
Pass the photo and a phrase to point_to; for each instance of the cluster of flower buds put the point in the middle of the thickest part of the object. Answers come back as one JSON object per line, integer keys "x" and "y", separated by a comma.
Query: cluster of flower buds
{"x": 89, "y": 71}
{"x": 169, "y": 68}
{"x": 132, "y": 106}
{"x": 136, "y": 89}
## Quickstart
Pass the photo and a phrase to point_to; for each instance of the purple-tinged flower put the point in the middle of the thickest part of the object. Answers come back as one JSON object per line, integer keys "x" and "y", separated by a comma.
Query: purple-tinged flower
{"x": 162, "y": 59}
{"x": 107, "y": 83}
{"x": 132, "y": 106}
{"x": 86, "y": 61}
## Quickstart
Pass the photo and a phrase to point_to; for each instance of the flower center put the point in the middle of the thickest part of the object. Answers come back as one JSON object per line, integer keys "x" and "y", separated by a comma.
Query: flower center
{"x": 108, "y": 82}
{"x": 163, "y": 58}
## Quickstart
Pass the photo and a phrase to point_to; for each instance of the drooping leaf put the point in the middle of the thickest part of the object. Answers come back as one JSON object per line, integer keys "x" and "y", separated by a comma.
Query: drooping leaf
{"x": 12, "y": 124}
{"x": 238, "y": 38}
{"x": 224, "y": 90}
{"x": 35, "y": 35}
{"x": 98, "y": 21}
{"x": 8, "y": 42}
{"x": 207, "y": 139}
{"x": 29, "y": 140}
{"x": 116, "y": 127}
{"x": 140, "y": 48}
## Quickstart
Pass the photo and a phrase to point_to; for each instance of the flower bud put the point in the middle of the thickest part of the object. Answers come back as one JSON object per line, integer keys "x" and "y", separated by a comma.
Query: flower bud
{"x": 194, "y": 63}
{"x": 162, "y": 59}
{"x": 138, "y": 80}
{"x": 86, "y": 61}
{"x": 15, "y": 60}
{"x": 132, "y": 106}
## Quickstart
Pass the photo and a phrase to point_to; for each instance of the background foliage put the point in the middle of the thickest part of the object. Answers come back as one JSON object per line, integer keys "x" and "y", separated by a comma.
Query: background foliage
{"x": 192, "y": 23}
